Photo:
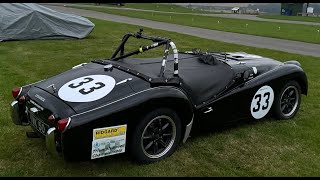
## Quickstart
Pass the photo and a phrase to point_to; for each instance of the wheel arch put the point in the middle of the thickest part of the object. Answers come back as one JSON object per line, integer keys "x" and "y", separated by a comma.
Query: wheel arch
{"x": 299, "y": 75}
{"x": 284, "y": 72}
{"x": 134, "y": 107}
{"x": 303, "y": 84}
{"x": 181, "y": 106}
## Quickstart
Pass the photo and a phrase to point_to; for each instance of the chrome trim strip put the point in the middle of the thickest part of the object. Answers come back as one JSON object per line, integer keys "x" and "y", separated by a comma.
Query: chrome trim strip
{"x": 69, "y": 120}
{"x": 112, "y": 102}
{"x": 124, "y": 81}
{"x": 33, "y": 83}
{"x": 188, "y": 130}
{"x": 79, "y": 65}
{"x": 208, "y": 110}
{"x": 20, "y": 91}
{"x": 36, "y": 104}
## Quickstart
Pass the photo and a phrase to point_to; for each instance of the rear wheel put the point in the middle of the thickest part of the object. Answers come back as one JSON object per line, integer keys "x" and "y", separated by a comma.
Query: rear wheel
{"x": 156, "y": 136}
{"x": 288, "y": 101}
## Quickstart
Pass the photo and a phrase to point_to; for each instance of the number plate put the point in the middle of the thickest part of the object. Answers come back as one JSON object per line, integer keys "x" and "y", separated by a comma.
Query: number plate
{"x": 38, "y": 124}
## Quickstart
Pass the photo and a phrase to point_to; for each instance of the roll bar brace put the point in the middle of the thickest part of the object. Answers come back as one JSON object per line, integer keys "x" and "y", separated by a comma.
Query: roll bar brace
{"x": 158, "y": 41}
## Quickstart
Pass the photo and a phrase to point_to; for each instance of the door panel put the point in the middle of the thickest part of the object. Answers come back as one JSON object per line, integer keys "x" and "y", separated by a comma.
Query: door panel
{"x": 244, "y": 103}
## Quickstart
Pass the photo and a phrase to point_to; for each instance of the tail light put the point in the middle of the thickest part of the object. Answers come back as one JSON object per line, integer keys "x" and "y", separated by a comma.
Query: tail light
{"x": 16, "y": 92}
{"x": 22, "y": 99}
{"x": 62, "y": 124}
{"x": 51, "y": 119}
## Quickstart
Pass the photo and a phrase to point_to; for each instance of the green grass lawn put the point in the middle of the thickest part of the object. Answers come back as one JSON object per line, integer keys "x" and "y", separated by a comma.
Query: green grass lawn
{"x": 157, "y": 7}
{"x": 298, "y": 32}
{"x": 262, "y": 148}
{"x": 292, "y": 18}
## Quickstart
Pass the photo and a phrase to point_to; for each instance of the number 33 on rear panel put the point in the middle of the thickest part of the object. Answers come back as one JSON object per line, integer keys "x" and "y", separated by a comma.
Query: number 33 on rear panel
{"x": 262, "y": 102}
{"x": 87, "y": 88}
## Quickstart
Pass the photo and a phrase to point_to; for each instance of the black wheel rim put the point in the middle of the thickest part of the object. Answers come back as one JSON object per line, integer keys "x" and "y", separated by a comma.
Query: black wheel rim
{"x": 289, "y": 101}
{"x": 158, "y": 136}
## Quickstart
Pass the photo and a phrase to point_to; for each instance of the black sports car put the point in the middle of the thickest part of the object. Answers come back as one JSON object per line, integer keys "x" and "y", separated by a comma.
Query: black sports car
{"x": 146, "y": 107}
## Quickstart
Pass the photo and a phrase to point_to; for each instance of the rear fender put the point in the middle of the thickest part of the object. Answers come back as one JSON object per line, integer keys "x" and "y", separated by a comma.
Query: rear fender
{"x": 139, "y": 103}
{"x": 128, "y": 111}
{"x": 180, "y": 104}
{"x": 27, "y": 87}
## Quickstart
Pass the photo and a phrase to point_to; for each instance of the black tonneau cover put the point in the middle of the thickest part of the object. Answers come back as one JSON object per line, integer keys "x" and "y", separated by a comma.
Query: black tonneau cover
{"x": 201, "y": 81}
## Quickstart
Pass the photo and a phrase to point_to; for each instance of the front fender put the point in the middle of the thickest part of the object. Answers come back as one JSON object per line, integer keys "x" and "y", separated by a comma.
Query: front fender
{"x": 285, "y": 72}
{"x": 278, "y": 75}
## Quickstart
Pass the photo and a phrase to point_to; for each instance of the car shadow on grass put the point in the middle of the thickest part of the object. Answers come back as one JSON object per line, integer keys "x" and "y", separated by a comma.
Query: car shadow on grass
{"x": 205, "y": 131}
{"x": 196, "y": 135}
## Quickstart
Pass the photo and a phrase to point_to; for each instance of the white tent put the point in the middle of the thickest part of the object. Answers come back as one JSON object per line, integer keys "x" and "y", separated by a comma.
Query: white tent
{"x": 22, "y": 21}
{"x": 235, "y": 9}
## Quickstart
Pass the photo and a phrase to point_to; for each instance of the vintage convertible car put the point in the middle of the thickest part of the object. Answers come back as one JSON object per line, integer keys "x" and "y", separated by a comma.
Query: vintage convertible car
{"x": 146, "y": 107}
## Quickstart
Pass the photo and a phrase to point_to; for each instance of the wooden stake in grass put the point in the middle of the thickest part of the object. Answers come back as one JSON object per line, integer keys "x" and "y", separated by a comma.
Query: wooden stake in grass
{"x": 247, "y": 25}
{"x": 218, "y": 22}
{"x": 170, "y": 17}
{"x": 279, "y": 28}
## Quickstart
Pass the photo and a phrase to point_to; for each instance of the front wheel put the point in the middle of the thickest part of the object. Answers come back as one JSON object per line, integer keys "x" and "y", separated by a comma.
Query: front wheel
{"x": 156, "y": 136}
{"x": 288, "y": 101}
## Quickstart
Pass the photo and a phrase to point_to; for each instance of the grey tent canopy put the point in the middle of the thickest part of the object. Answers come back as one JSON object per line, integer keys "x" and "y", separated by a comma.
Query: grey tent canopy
{"x": 22, "y": 21}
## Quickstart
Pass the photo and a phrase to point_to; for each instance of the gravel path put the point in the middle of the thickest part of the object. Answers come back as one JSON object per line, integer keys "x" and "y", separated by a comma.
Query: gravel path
{"x": 243, "y": 39}
{"x": 233, "y": 16}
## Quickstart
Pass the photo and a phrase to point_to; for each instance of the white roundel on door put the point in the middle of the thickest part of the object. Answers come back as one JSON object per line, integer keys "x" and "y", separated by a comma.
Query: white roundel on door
{"x": 262, "y": 102}
{"x": 87, "y": 88}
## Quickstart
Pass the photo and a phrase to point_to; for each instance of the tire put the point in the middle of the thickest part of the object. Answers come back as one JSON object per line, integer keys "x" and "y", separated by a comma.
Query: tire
{"x": 287, "y": 102}
{"x": 148, "y": 143}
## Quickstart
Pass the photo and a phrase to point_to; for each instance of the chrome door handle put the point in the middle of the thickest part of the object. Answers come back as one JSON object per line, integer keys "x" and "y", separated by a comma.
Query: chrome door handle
{"x": 209, "y": 109}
